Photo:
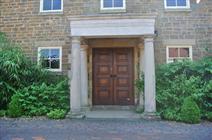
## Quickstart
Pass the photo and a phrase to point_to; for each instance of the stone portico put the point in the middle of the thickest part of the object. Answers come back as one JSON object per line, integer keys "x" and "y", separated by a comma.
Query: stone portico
{"x": 83, "y": 29}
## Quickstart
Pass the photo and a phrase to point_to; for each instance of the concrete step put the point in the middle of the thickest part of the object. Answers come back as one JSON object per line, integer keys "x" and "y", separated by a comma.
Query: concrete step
{"x": 112, "y": 107}
{"x": 112, "y": 114}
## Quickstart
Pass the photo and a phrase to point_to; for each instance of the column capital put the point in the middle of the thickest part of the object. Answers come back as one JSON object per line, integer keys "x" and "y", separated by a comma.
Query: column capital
{"x": 140, "y": 42}
{"x": 76, "y": 39}
{"x": 149, "y": 38}
{"x": 141, "y": 45}
{"x": 84, "y": 47}
{"x": 84, "y": 41}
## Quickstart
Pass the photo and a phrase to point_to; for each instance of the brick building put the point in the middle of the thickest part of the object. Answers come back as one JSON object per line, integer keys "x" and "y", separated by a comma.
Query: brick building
{"x": 103, "y": 45}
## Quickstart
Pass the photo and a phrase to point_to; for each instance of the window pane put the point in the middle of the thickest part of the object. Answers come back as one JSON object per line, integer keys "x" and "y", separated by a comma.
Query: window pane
{"x": 173, "y": 52}
{"x": 108, "y": 3}
{"x": 55, "y": 53}
{"x": 44, "y": 53}
{"x": 181, "y": 2}
{"x": 171, "y": 2}
{"x": 46, "y": 4}
{"x": 56, "y": 4}
{"x": 184, "y": 52}
{"x": 118, "y": 3}
{"x": 45, "y": 63}
{"x": 55, "y": 64}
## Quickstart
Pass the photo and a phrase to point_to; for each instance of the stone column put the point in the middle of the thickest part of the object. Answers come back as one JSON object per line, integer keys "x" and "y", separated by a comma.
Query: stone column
{"x": 141, "y": 70}
{"x": 84, "y": 77}
{"x": 149, "y": 76}
{"x": 75, "y": 77}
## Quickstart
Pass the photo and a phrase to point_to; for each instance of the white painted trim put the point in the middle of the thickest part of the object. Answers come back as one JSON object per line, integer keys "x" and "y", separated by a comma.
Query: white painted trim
{"x": 47, "y": 11}
{"x": 60, "y": 57}
{"x": 177, "y": 7}
{"x": 184, "y": 46}
{"x": 112, "y": 8}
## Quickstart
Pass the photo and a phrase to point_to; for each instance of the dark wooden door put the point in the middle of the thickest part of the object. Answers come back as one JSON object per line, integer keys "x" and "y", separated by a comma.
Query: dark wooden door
{"x": 113, "y": 76}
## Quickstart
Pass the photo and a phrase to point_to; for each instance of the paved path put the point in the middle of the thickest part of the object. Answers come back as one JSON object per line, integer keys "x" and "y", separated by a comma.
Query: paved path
{"x": 102, "y": 130}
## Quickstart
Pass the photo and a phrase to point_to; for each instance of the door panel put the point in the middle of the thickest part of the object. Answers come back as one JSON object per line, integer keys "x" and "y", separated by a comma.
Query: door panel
{"x": 102, "y": 63}
{"x": 123, "y": 69}
{"x": 113, "y": 77}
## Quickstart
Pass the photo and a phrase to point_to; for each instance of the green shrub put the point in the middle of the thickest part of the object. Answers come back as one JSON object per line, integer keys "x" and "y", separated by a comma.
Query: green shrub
{"x": 190, "y": 112}
{"x": 14, "y": 109}
{"x": 171, "y": 97}
{"x": 209, "y": 116}
{"x": 56, "y": 114}
{"x": 5, "y": 94}
{"x": 170, "y": 114}
{"x": 176, "y": 81}
{"x": 205, "y": 101}
{"x": 37, "y": 100}
{"x": 2, "y": 113}
{"x": 17, "y": 71}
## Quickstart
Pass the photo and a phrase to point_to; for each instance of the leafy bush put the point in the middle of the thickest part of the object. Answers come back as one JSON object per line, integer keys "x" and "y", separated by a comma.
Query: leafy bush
{"x": 17, "y": 71}
{"x": 5, "y": 94}
{"x": 209, "y": 116}
{"x": 11, "y": 63}
{"x": 14, "y": 109}
{"x": 190, "y": 112}
{"x": 205, "y": 101}
{"x": 172, "y": 98}
{"x": 38, "y": 100}
{"x": 57, "y": 114}
{"x": 170, "y": 114}
{"x": 2, "y": 113}
{"x": 176, "y": 81}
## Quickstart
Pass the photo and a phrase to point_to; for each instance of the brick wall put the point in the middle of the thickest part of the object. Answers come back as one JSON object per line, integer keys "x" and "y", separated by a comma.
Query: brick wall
{"x": 23, "y": 23}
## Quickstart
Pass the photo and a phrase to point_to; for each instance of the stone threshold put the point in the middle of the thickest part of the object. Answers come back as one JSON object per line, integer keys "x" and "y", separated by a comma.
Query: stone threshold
{"x": 112, "y": 107}
{"x": 112, "y": 114}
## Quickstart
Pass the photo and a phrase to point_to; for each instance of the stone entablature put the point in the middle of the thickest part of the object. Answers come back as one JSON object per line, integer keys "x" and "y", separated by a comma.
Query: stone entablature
{"x": 112, "y": 27}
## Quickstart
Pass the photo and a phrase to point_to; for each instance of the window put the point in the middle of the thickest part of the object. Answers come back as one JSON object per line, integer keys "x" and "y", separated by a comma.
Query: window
{"x": 113, "y": 4}
{"x": 51, "y": 5}
{"x": 178, "y": 53}
{"x": 50, "y": 58}
{"x": 175, "y": 4}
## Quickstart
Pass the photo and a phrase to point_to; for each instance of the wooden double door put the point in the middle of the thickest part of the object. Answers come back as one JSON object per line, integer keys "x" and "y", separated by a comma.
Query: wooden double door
{"x": 113, "y": 76}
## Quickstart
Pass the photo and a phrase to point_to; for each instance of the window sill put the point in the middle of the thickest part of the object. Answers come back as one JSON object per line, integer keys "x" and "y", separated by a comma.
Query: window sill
{"x": 105, "y": 11}
{"x": 178, "y": 10}
{"x": 51, "y": 13}
{"x": 54, "y": 70}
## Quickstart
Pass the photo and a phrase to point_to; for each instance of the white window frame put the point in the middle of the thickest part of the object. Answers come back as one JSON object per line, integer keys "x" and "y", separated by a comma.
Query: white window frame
{"x": 177, "y": 7}
{"x": 43, "y": 11}
{"x": 186, "y": 46}
{"x": 60, "y": 57}
{"x": 112, "y": 8}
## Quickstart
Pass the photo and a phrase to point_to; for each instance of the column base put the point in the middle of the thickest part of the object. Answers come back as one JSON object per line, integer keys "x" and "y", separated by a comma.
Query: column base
{"x": 150, "y": 116}
{"x": 78, "y": 115}
{"x": 85, "y": 108}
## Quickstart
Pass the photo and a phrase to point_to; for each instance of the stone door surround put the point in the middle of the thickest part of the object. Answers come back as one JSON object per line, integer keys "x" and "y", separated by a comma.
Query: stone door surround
{"x": 109, "y": 28}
